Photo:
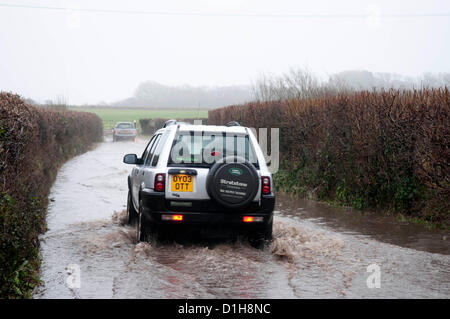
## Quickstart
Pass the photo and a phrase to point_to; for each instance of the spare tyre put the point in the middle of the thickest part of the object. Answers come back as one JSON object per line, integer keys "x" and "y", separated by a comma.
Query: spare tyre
{"x": 232, "y": 182}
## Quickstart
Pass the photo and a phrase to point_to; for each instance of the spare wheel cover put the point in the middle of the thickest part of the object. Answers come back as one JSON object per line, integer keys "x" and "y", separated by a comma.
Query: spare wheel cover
{"x": 233, "y": 184}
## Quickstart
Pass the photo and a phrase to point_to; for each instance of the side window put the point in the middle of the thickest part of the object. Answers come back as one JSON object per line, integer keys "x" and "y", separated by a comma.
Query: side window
{"x": 152, "y": 150}
{"x": 158, "y": 149}
{"x": 147, "y": 149}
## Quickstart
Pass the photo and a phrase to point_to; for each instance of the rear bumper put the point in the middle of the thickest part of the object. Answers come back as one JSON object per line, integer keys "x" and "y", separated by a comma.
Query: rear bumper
{"x": 124, "y": 135}
{"x": 212, "y": 219}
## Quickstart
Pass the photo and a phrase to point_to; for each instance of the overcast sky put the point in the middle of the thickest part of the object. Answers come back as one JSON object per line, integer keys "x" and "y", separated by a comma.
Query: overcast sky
{"x": 100, "y": 50}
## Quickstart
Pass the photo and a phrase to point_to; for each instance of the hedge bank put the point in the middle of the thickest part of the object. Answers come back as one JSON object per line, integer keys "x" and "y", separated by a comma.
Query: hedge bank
{"x": 34, "y": 143}
{"x": 386, "y": 150}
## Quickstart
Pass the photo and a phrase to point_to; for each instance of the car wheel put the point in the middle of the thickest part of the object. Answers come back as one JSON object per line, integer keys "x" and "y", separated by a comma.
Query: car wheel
{"x": 261, "y": 238}
{"x": 140, "y": 232}
{"x": 267, "y": 235}
{"x": 138, "y": 229}
{"x": 143, "y": 231}
{"x": 131, "y": 211}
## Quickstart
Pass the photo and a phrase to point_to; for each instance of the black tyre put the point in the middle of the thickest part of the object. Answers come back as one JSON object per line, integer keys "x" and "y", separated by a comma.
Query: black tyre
{"x": 132, "y": 214}
{"x": 141, "y": 230}
{"x": 260, "y": 239}
{"x": 144, "y": 230}
{"x": 267, "y": 234}
{"x": 232, "y": 182}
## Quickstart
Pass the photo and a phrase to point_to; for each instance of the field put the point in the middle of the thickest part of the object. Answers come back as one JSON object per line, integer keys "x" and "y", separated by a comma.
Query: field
{"x": 110, "y": 116}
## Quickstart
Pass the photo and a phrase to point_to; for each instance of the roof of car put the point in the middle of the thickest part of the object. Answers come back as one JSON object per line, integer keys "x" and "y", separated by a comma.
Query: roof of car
{"x": 212, "y": 128}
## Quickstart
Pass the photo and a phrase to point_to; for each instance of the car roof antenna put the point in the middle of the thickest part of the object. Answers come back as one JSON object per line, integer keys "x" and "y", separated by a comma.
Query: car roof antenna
{"x": 233, "y": 123}
{"x": 170, "y": 122}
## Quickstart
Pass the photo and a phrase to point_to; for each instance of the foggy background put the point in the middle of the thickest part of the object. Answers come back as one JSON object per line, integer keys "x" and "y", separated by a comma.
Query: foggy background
{"x": 211, "y": 53}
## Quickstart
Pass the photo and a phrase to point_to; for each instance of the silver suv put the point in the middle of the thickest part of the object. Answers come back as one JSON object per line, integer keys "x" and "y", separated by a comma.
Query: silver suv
{"x": 124, "y": 130}
{"x": 200, "y": 180}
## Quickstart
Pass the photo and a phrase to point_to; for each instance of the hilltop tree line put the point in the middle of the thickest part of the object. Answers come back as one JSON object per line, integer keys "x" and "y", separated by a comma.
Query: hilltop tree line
{"x": 154, "y": 94}
{"x": 297, "y": 83}
{"x": 301, "y": 83}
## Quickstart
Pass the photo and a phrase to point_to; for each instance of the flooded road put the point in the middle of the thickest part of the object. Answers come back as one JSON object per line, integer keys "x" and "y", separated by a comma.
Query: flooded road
{"x": 318, "y": 251}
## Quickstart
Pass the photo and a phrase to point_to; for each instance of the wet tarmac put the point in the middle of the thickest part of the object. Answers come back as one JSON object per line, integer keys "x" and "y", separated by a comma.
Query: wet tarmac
{"x": 318, "y": 251}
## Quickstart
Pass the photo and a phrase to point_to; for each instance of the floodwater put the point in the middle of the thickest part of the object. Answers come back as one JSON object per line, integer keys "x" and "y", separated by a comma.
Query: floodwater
{"x": 318, "y": 251}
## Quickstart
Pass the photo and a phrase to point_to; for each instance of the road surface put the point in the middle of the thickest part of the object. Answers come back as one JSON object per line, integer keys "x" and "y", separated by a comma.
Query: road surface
{"x": 318, "y": 251}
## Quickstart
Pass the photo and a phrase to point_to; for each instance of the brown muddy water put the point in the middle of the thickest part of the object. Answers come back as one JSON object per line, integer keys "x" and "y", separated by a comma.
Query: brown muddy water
{"x": 318, "y": 251}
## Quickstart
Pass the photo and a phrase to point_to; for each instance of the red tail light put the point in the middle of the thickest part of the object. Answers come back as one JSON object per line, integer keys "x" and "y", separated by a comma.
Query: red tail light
{"x": 160, "y": 184}
{"x": 177, "y": 218}
{"x": 247, "y": 219}
{"x": 252, "y": 219}
{"x": 265, "y": 185}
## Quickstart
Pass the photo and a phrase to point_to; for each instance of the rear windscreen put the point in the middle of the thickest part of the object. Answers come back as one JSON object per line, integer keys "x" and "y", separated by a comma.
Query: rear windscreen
{"x": 205, "y": 148}
{"x": 125, "y": 125}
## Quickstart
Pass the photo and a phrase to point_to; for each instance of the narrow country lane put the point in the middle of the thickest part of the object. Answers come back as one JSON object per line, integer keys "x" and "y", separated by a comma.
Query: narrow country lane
{"x": 318, "y": 251}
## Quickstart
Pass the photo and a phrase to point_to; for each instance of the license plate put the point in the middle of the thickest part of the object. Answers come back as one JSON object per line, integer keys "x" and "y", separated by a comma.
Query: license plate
{"x": 182, "y": 183}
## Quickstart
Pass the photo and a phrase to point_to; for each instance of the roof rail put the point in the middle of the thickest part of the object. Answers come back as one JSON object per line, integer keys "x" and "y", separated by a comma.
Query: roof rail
{"x": 170, "y": 122}
{"x": 233, "y": 123}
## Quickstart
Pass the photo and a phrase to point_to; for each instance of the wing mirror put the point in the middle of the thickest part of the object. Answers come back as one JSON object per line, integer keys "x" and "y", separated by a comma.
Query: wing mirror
{"x": 131, "y": 159}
